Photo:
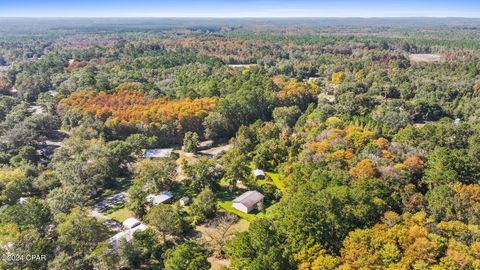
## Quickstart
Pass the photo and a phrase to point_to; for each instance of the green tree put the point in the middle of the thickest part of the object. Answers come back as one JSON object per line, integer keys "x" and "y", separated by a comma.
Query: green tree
{"x": 245, "y": 139}
{"x": 62, "y": 199}
{"x": 216, "y": 126}
{"x": 269, "y": 154}
{"x": 33, "y": 214}
{"x": 159, "y": 173}
{"x": 137, "y": 197}
{"x": 236, "y": 167}
{"x": 79, "y": 234}
{"x": 13, "y": 183}
{"x": 440, "y": 168}
{"x": 190, "y": 142}
{"x": 166, "y": 220}
{"x": 186, "y": 257}
{"x": 24, "y": 243}
{"x": 286, "y": 116}
{"x": 204, "y": 205}
{"x": 259, "y": 248}
{"x": 84, "y": 161}
{"x": 203, "y": 173}
{"x": 26, "y": 155}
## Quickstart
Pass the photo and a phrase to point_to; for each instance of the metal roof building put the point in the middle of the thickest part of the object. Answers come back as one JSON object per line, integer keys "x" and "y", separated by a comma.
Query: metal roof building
{"x": 160, "y": 198}
{"x": 157, "y": 153}
{"x": 248, "y": 201}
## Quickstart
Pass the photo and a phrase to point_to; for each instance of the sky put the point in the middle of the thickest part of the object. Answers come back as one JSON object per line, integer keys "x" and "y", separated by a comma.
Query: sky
{"x": 239, "y": 8}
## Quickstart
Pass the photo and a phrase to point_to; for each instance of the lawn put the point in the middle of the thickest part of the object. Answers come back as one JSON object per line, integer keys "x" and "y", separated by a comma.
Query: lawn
{"x": 227, "y": 206}
{"x": 224, "y": 201}
{"x": 276, "y": 180}
{"x": 121, "y": 214}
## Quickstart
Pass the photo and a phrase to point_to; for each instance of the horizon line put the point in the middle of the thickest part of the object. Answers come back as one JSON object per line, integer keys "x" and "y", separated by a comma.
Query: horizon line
{"x": 238, "y": 17}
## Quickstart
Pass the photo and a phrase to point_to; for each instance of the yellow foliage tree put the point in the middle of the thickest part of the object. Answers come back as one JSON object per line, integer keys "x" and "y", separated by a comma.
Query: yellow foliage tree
{"x": 382, "y": 143}
{"x": 358, "y": 136}
{"x": 338, "y": 77}
{"x": 412, "y": 242}
{"x": 363, "y": 170}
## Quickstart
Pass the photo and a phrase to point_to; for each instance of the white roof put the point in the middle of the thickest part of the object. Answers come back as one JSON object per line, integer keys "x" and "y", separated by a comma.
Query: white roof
{"x": 126, "y": 235}
{"x": 160, "y": 198}
{"x": 157, "y": 152}
{"x": 258, "y": 172}
{"x": 119, "y": 236}
{"x": 22, "y": 200}
{"x": 249, "y": 198}
{"x": 131, "y": 223}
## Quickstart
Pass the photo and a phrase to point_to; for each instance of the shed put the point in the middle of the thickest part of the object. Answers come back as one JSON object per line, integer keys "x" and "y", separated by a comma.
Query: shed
{"x": 248, "y": 201}
{"x": 184, "y": 201}
{"x": 130, "y": 223}
{"x": 205, "y": 145}
{"x": 157, "y": 152}
{"x": 259, "y": 174}
{"x": 164, "y": 197}
{"x": 22, "y": 200}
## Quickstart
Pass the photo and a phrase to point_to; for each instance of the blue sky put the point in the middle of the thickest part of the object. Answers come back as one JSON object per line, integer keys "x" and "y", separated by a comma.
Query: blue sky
{"x": 239, "y": 8}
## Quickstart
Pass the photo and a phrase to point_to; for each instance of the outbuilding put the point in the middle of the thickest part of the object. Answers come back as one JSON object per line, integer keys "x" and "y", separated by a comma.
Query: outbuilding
{"x": 130, "y": 223}
{"x": 248, "y": 201}
{"x": 259, "y": 174}
{"x": 184, "y": 201}
{"x": 22, "y": 200}
{"x": 205, "y": 145}
{"x": 157, "y": 153}
{"x": 164, "y": 197}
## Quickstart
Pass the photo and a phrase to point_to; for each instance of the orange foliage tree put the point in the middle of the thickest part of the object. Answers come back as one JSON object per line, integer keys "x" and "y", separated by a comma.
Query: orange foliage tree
{"x": 130, "y": 107}
{"x": 363, "y": 170}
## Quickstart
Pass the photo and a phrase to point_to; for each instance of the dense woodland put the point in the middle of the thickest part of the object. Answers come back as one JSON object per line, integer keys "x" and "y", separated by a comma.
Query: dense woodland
{"x": 373, "y": 159}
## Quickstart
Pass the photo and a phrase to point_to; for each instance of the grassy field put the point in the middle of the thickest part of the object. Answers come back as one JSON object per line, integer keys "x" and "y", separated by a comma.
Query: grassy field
{"x": 224, "y": 201}
{"x": 121, "y": 214}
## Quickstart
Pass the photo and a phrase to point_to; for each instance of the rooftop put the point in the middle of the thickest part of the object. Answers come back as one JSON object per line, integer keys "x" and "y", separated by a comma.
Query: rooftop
{"x": 249, "y": 198}
{"x": 131, "y": 223}
{"x": 258, "y": 172}
{"x": 126, "y": 235}
{"x": 157, "y": 152}
{"x": 160, "y": 198}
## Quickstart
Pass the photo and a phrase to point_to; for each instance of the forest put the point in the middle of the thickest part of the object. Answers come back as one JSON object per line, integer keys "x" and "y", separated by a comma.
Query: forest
{"x": 361, "y": 135}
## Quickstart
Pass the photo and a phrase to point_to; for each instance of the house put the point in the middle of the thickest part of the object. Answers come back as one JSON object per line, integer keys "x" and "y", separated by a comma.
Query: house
{"x": 205, "y": 145}
{"x": 184, "y": 201}
{"x": 248, "y": 201}
{"x": 157, "y": 152}
{"x": 164, "y": 197}
{"x": 131, "y": 223}
{"x": 126, "y": 235}
{"x": 259, "y": 174}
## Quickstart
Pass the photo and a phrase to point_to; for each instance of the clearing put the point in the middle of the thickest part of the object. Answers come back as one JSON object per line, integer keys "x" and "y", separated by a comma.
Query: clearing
{"x": 426, "y": 58}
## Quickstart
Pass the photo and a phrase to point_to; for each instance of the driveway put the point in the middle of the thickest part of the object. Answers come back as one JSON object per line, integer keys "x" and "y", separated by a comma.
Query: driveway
{"x": 111, "y": 201}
